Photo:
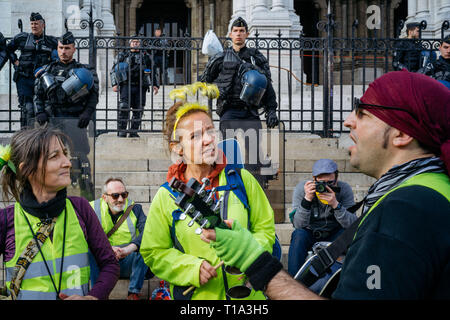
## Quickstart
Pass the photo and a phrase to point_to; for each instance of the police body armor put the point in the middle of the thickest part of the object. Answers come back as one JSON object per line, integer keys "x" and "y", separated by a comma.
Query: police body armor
{"x": 4, "y": 56}
{"x": 65, "y": 90}
{"x": 230, "y": 82}
{"x": 133, "y": 68}
{"x": 34, "y": 54}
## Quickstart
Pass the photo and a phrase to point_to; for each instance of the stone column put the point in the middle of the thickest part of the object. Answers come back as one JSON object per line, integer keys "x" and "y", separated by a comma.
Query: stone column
{"x": 260, "y": 6}
{"x": 239, "y": 10}
{"x": 412, "y": 8}
{"x": 423, "y": 10}
{"x": 443, "y": 13}
{"x": 109, "y": 27}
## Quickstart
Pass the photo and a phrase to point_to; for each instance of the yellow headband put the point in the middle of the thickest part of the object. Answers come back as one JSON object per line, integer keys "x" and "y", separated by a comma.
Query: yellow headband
{"x": 5, "y": 156}
{"x": 185, "y": 108}
{"x": 209, "y": 90}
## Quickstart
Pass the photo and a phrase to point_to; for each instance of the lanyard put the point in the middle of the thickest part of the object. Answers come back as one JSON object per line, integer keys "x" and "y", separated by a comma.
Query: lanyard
{"x": 58, "y": 290}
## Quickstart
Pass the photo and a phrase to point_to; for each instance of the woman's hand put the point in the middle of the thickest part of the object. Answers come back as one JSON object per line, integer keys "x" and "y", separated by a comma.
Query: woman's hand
{"x": 207, "y": 272}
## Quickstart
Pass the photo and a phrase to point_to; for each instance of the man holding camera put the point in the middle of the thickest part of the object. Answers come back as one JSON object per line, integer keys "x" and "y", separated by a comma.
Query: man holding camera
{"x": 319, "y": 211}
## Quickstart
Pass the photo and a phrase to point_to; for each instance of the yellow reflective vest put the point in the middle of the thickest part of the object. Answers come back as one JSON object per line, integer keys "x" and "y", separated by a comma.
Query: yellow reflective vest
{"x": 36, "y": 284}
{"x": 181, "y": 268}
{"x": 127, "y": 231}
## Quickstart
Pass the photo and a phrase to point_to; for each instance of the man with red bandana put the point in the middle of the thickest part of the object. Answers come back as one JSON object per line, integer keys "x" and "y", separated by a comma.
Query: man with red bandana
{"x": 401, "y": 248}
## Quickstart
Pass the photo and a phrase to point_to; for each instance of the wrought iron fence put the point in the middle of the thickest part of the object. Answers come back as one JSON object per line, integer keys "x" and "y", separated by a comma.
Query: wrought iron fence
{"x": 315, "y": 79}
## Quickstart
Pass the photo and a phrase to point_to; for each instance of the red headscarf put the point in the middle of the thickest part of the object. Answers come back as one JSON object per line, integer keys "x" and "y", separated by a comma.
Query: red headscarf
{"x": 425, "y": 98}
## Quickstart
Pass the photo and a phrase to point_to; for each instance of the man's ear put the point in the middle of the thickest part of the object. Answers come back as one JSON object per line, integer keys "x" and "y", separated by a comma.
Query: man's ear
{"x": 401, "y": 139}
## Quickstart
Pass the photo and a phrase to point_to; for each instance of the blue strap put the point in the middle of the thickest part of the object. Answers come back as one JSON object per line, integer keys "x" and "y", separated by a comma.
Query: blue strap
{"x": 175, "y": 217}
{"x": 234, "y": 180}
{"x": 172, "y": 192}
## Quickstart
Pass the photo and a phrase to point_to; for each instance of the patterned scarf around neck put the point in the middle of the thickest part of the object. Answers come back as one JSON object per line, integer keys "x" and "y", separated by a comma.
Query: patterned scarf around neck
{"x": 398, "y": 174}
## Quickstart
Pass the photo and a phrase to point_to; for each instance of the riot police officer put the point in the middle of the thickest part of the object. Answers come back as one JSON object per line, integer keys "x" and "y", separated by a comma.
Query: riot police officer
{"x": 35, "y": 51}
{"x": 226, "y": 70}
{"x": 132, "y": 75}
{"x": 410, "y": 53}
{"x": 68, "y": 89}
{"x": 440, "y": 69}
{"x": 243, "y": 77}
{"x": 4, "y": 54}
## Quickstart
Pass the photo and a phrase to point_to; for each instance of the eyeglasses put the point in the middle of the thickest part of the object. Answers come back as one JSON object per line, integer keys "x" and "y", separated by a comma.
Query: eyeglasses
{"x": 358, "y": 106}
{"x": 116, "y": 196}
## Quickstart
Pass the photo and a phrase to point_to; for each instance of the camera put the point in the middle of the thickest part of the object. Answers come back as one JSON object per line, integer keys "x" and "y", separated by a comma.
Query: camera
{"x": 321, "y": 186}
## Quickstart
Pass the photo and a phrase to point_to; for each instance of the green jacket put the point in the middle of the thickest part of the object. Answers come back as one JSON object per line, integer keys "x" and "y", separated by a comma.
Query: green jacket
{"x": 182, "y": 269}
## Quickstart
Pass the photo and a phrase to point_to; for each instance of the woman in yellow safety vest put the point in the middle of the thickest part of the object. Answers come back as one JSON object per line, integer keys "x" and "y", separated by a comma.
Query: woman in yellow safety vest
{"x": 46, "y": 237}
{"x": 170, "y": 247}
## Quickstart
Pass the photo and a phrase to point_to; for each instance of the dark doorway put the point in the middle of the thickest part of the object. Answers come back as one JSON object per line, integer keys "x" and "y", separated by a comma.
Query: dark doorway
{"x": 400, "y": 13}
{"x": 173, "y": 17}
{"x": 309, "y": 17}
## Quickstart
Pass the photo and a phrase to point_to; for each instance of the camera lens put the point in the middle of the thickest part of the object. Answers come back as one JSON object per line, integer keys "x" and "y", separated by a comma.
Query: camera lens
{"x": 321, "y": 187}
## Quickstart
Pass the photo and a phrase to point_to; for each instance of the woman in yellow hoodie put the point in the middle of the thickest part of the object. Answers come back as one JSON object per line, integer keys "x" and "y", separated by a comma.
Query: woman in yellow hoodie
{"x": 172, "y": 250}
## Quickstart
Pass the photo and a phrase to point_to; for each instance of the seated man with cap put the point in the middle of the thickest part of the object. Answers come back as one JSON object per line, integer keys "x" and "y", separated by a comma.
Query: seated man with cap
{"x": 319, "y": 211}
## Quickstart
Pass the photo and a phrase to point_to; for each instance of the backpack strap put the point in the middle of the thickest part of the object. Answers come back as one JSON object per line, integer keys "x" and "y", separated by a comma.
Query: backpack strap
{"x": 234, "y": 180}
{"x": 236, "y": 184}
{"x": 175, "y": 217}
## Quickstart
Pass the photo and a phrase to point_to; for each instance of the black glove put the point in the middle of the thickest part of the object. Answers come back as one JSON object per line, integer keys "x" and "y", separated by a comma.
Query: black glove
{"x": 271, "y": 118}
{"x": 84, "y": 120}
{"x": 42, "y": 118}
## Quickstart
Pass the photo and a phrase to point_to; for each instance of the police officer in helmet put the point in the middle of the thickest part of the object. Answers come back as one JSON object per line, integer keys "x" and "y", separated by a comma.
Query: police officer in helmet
{"x": 132, "y": 76}
{"x": 243, "y": 77}
{"x": 410, "y": 53}
{"x": 226, "y": 70}
{"x": 440, "y": 69}
{"x": 35, "y": 51}
{"x": 68, "y": 89}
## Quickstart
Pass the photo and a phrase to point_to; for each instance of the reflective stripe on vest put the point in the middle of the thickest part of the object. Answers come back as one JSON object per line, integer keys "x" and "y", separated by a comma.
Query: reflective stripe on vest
{"x": 36, "y": 283}
{"x": 438, "y": 182}
{"x": 36, "y": 295}
{"x": 126, "y": 232}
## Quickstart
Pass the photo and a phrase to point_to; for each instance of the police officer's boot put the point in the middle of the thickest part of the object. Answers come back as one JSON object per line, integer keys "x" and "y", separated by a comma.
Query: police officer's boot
{"x": 135, "y": 123}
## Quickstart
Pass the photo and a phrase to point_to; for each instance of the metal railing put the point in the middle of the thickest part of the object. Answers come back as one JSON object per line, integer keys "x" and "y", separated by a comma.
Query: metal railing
{"x": 315, "y": 79}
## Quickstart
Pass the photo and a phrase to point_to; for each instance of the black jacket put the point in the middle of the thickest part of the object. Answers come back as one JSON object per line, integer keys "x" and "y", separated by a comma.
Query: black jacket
{"x": 401, "y": 250}
{"x": 56, "y": 103}
{"x": 35, "y": 52}
{"x": 138, "y": 62}
{"x": 439, "y": 70}
{"x": 229, "y": 96}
